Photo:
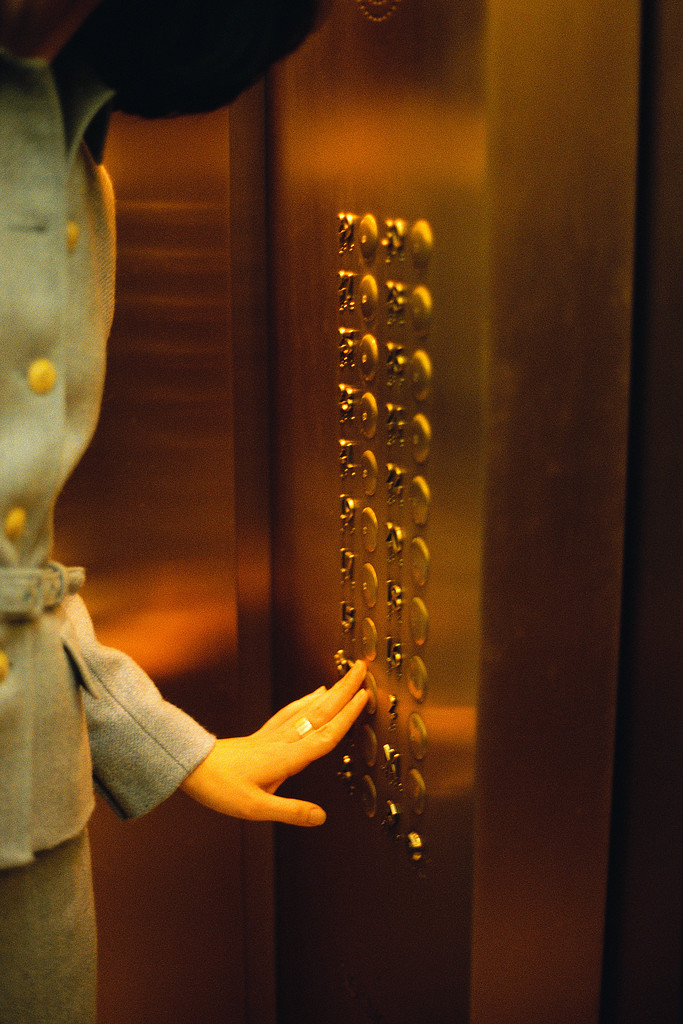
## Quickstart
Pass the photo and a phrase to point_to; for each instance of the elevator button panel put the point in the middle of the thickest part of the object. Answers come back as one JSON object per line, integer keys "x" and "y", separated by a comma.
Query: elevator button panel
{"x": 386, "y": 315}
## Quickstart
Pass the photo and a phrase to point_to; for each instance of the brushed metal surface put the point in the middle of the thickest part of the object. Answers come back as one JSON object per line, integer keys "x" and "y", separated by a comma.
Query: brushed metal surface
{"x": 388, "y": 120}
{"x": 643, "y": 956}
{"x": 151, "y": 512}
{"x": 563, "y": 113}
{"x": 511, "y": 129}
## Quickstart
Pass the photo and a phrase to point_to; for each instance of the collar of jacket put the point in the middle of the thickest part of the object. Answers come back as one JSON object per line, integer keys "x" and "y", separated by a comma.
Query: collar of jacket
{"x": 86, "y": 106}
{"x": 85, "y": 100}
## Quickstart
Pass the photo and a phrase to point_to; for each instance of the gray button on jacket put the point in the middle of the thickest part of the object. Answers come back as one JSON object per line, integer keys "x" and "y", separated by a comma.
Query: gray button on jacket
{"x": 70, "y": 709}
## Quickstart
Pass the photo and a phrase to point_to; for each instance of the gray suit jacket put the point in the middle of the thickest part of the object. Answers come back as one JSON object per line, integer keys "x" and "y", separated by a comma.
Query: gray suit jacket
{"x": 69, "y": 708}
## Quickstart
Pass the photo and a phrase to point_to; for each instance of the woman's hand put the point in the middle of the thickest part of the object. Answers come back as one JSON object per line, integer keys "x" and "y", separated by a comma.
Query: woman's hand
{"x": 240, "y": 776}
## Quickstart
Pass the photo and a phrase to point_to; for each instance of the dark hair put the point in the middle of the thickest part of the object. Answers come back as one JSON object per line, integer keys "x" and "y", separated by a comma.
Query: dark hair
{"x": 186, "y": 56}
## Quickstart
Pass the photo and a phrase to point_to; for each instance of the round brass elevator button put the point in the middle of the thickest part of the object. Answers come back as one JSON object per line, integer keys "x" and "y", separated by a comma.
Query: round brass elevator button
{"x": 371, "y": 686}
{"x": 368, "y": 235}
{"x": 420, "y": 500}
{"x": 15, "y": 523}
{"x": 368, "y": 472}
{"x": 369, "y": 297}
{"x": 369, "y": 356}
{"x": 369, "y": 745}
{"x": 369, "y": 639}
{"x": 419, "y": 621}
{"x": 421, "y": 437}
{"x": 419, "y": 561}
{"x": 421, "y": 308}
{"x": 420, "y": 374}
{"x": 367, "y": 411}
{"x": 42, "y": 376}
{"x": 421, "y": 242}
{"x": 417, "y": 791}
{"x": 417, "y": 736}
{"x": 4, "y": 666}
{"x": 368, "y": 529}
{"x": 417, "y": 678}
{"x": 368, "y": 795}
{"x": 368, "y": 584}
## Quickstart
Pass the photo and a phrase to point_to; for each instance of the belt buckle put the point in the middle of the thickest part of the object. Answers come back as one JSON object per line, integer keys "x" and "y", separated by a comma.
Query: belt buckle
{"x": 28, "y": 600}
{"x": 55, "y": 586}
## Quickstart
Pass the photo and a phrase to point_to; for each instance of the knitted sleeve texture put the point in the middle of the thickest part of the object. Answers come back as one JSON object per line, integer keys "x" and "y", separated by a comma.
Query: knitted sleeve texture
{"x": 142, "y": 746}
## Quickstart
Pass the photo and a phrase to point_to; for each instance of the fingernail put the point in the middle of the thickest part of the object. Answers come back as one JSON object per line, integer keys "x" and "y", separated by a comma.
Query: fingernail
{"x": 317, "y": 816}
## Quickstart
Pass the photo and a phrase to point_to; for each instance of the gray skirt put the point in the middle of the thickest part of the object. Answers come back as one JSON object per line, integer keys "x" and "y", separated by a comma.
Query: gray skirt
{"x": 48, "y": 938}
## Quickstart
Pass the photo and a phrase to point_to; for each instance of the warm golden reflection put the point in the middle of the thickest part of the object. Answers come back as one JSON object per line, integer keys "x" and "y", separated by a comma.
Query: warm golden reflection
{"x": 150, "y": 511}
{"x": 172, "y": 620}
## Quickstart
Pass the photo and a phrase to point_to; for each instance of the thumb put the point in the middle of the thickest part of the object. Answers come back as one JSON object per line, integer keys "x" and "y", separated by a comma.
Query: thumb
{"x": 290, "y": 812}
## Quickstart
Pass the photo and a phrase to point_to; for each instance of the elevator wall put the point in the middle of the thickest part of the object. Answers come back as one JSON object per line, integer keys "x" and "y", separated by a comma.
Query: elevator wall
{"x": 462, "y": 874}
{"x": 411, "y": 258}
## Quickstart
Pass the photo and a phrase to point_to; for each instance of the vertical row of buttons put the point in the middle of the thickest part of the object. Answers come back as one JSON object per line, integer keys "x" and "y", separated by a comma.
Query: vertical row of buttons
{"x": 385, "y": 315}
{"x": 41, "y": 378}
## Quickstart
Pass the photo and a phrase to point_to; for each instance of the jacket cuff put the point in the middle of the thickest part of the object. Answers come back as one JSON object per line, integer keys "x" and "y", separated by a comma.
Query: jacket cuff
{"x": 142, "y": 746}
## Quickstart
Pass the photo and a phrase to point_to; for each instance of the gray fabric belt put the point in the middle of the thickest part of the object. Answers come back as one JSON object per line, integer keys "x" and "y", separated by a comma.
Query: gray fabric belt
{"x": 27, "y": 593}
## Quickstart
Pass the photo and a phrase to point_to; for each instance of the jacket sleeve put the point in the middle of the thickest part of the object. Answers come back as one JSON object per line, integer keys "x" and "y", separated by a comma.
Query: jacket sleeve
{"x": 142, "y": 746}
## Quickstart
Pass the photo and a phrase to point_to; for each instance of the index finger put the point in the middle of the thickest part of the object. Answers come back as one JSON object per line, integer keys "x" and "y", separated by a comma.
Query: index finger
{"x": 338, "y": 696}
{"x": 322, "y": 740}
{"x": 321, "y": 706}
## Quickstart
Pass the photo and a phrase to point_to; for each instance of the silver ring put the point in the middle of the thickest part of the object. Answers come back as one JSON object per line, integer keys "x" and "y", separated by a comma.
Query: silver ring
{"x": 303, "y": 726}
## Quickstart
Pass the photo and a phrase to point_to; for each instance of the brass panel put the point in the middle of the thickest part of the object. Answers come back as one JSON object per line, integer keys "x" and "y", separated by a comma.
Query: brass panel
{"x": 563, "y": 120}
{"x": 509, "y": 130}
{"x": 643, "y": 949}
{"x": 394, "y": 143}
{"x": 151, "y": 513}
